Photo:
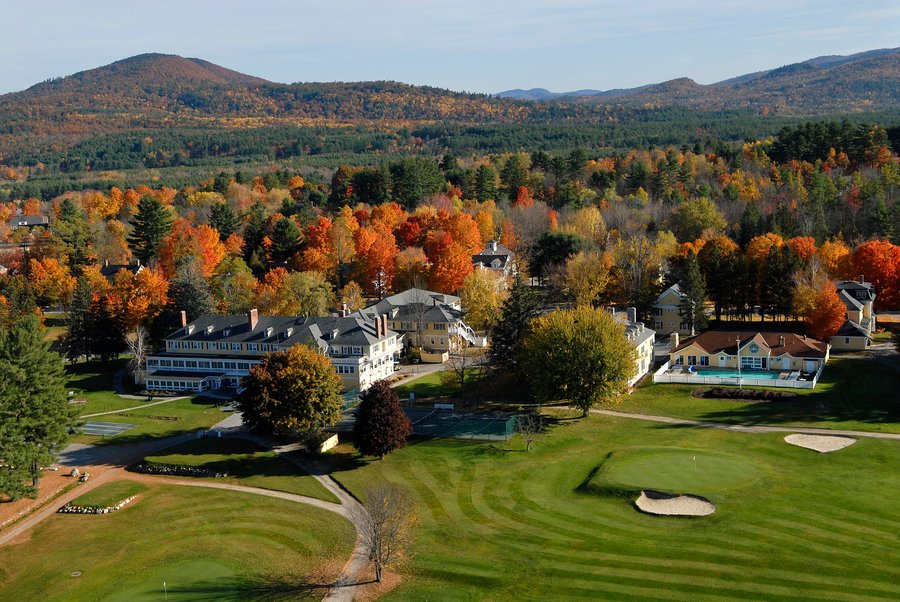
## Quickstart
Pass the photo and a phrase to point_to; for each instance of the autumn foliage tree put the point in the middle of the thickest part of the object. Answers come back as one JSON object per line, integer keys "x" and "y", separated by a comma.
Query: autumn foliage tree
{"x": 381, "y": 425}
{"x": 879, "y": 262}
{"x": 290, "y": 391}
{"x": 827, "y": 315}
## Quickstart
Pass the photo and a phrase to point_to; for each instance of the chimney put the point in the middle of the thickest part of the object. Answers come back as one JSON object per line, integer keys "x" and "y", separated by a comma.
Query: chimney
{"x": 781, "y": 340}
{"x": 378, "y": 334}
{"x": 674, "y": 338}
{"x": 384, "y": 325}
{"x": 106, "y": 263}
{"x": 253, "y": 318}
{"x": 492, "y": 244}
{"x": 632, "y": 314}
{"x": 344, "y": 311}
{"x": 183, "y": 319}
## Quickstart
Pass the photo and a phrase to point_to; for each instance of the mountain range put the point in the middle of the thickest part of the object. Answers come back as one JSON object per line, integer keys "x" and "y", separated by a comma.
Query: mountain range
{"x": 825, "y": 83}
{"x": 166, "y": 92}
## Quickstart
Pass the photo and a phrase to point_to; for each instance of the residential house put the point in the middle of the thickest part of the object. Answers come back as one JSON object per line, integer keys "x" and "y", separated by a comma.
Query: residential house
{"x": 856, "y": 332}
{"x": 109, "y": 270}
{"x": 432, "y": 321}
{"x": 29, "y": 221}
{"x": 216, "y": 351}
{"x": 667, "y": 317}
{"x": 640, "y": 336}
{"x": 770, "y": 351}
{"x": 496, "y": 257}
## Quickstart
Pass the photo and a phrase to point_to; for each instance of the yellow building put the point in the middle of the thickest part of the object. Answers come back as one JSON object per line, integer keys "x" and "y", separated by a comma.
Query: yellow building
{"x": 752, "y": 351}
{"x": 859, "y": 299}
{"x": 432, "y": 321}
{"x": 667, "y": 313}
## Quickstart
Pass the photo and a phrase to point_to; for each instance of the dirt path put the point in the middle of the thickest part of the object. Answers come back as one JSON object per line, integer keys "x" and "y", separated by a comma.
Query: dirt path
{"x": 348, "y": 584}
{"x": 748, "y": 428}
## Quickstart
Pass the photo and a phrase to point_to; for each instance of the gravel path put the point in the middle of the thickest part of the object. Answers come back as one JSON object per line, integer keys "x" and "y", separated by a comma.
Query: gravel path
{"x": 748, "y": 428}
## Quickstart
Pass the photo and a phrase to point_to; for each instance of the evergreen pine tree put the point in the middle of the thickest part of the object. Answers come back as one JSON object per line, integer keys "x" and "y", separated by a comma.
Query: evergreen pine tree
{"x": 150, "y": 226}
{"x": 693, "y": 287}
{"x": 189, "y": 292}
{"x": 34, "y": 412}
{"x": 381, "y": 425}
{"x": 223, "y": 218}
{"x": 107, "y": 333}
{"x": 79, "y": 322}
{"x": 520, "y": 307}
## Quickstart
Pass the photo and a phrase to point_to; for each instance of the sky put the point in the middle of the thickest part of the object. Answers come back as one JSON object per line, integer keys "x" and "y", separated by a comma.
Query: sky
{"x": 470, "y": 45}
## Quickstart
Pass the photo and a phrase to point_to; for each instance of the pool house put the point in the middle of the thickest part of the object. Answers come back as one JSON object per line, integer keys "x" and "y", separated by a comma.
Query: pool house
{"x": 766, "y": 359}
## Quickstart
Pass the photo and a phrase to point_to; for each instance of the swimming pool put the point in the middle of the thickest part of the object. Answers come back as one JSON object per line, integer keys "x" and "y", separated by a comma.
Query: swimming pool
{"x": 756, "y": 374}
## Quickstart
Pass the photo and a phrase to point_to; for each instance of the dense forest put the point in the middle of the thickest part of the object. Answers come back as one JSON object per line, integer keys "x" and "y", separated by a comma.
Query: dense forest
{"x": 757, "y": 229}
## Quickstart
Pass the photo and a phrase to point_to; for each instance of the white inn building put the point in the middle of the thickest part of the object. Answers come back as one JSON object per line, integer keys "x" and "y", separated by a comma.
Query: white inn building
{"x": 216, "y": 351}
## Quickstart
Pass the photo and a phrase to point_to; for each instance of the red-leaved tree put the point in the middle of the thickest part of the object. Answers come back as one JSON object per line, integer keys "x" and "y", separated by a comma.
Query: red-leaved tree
{"x": 828, "y": 315}
{"x": 381, "y": 425}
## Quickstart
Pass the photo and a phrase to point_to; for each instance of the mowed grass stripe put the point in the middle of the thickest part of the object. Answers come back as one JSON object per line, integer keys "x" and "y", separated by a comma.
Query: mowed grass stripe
{"x": 772, "y": 583}
{"x": 524, "y": 532}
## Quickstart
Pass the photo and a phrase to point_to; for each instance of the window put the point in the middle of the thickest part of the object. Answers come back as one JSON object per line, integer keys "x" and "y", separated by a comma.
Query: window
{"x": 679, "y": 360}
{"x": 196, "y": 345}
{"x": 235, "y": 346}
{"x": 252, "y": 347}
{"x": 692, "y": 360}
{"x": 657, "y": 311}
{"x": 846, "y": 340}
{"x": 861, "y": 294}
{"x": 704, "y": 360}
{"x": 442, "y": 340}
{"x": 657, "y": 325}
{"x": 683, "y": 326}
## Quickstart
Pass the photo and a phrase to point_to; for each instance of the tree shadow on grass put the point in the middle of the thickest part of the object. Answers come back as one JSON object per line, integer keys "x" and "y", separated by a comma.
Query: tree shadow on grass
{"x": 257, "y": 589}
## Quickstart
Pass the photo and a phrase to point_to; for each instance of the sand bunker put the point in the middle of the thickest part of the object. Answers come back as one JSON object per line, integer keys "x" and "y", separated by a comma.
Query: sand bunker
{"x": 654, "y": 502}
{"x": 820, "y": 443}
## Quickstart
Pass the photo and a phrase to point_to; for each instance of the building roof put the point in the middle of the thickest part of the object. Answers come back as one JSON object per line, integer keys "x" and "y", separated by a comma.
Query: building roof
{"x": 415, "y": 304}
{"x": 109, "y": 270}
{"x": 856, "y": 286}
{"x": 284, "y": 331}
{"x": 637, "y": 332}
{"x": 849, "y": 300}
{"x": 723, "y": 341}
{"x": 495, "y": 255}
{"x": 851, "y": 329}
{"x": 28, "y": 220}
{"x": 417, "y": 295}
{"x": 675, "y": 289}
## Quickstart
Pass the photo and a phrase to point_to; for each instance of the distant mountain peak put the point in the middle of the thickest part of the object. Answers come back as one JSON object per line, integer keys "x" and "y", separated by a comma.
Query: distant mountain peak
{"x": 153, "y": 68}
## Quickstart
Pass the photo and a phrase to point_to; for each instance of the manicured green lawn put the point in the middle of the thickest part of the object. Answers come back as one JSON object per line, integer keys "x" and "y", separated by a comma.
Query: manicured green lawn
{"x": 246, "y": 464}
{"x": 675, "y": 471}
{"x": 498, "y": 523}
{"x": 855, "y": 394}
{"x": 109, "y": 494}
{"x": 430, "y": 385}
{"x": 204, "y": 544}
{"x": 93, "y": 381}
{"x": 173, "y": 418}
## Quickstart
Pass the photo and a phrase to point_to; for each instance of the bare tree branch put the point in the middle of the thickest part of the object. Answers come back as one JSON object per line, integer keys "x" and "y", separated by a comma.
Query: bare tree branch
{"x": 384, "y": 523}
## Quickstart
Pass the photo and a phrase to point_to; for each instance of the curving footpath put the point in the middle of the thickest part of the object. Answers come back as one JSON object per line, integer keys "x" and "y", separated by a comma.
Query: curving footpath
{"x": 345, "y": 587}
{"x": 747, "y": 428}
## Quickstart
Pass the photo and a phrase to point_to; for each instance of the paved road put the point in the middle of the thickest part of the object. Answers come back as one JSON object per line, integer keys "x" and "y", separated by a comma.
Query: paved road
{"x": 748, "y": 428}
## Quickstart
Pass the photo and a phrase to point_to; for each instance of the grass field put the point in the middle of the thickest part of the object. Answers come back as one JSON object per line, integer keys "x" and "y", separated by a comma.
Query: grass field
{"x": 499, "y": 523}
{"x": 853, "y": 394}
{"x": 109, "y": 494}
{"x": 204, "y": 544}
{"x": 246, "y": 464}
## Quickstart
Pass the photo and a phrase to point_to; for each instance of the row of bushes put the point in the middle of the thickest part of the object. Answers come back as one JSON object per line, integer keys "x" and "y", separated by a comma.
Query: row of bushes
{"x": 180, "y": 470}
{"x": 747, "y": 394}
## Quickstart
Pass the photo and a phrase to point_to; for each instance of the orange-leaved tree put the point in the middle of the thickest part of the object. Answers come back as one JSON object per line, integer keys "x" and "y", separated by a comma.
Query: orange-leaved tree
{"x": 827, "y": 315}
{"x": 879, "y": 262}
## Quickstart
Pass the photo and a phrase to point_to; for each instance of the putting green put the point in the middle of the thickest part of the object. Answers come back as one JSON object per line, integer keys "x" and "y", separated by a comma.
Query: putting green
{"x": 677, "y": 471}
{"x": 186, "y": 581}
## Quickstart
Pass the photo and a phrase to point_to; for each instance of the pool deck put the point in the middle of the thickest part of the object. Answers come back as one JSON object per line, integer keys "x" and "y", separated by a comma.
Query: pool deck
{"x": 793, "y": 379}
